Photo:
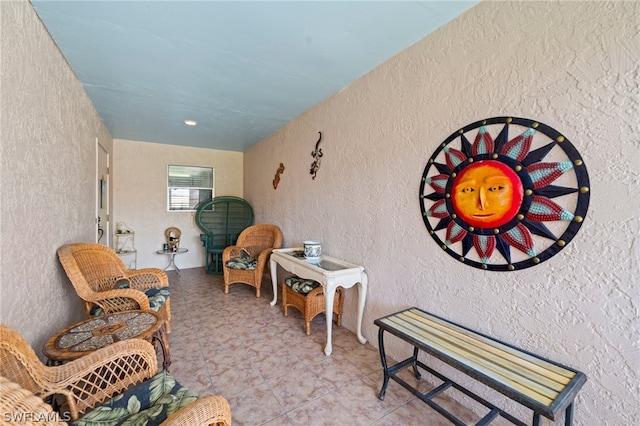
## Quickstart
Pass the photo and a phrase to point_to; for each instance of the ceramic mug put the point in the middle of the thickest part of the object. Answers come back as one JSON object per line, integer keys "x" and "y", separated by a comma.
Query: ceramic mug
{"x": 312, "y": 249}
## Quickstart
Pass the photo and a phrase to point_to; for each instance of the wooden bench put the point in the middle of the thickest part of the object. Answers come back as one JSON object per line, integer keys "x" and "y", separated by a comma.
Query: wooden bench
{"x": 541, "y": 385}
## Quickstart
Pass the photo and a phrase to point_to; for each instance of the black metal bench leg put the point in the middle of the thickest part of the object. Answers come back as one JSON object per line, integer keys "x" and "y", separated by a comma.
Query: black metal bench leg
{"x": 536, "y": 419}
{"x": 385, "y": 368}
{"x": 415, "y": 363}
{"x": 568, "y": 415}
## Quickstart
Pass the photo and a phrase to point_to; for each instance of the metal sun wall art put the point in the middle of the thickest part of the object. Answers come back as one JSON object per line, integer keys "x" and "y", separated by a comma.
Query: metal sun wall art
{"x": 520, "y": 185}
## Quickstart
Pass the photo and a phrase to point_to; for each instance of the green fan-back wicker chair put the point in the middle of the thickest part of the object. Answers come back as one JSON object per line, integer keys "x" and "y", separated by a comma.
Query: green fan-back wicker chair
{"x": 221, "y": 219}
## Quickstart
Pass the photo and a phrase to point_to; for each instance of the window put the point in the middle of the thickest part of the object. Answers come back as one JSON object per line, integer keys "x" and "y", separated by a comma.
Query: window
{"x": 187, "y": 186}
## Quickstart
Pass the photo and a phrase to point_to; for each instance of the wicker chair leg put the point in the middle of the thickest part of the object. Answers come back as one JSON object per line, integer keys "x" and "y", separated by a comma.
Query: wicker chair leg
{"x": 167, "y": 326}
{"x": 284, "y": 300}
{"x": 340, "y": 299}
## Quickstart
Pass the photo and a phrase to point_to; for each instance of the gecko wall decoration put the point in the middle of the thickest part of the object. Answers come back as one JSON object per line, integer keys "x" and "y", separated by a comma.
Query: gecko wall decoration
{"x": 317, "y": 154}
{"x": 276, "y": 178}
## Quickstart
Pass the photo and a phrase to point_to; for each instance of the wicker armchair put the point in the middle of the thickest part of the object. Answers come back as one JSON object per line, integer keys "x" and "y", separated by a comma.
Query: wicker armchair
{"x": 106, "y": 285}
{"x": 124, "y": 369}
{"x": 20, "y": 406}
{"x": 245, "y": 261}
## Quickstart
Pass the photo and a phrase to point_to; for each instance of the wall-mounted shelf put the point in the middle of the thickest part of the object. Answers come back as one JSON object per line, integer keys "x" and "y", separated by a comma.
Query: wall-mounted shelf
{"x": 125, "y": 247}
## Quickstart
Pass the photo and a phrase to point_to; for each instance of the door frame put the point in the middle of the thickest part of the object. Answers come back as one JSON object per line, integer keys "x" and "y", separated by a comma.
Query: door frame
{"x": 103, "y": 190}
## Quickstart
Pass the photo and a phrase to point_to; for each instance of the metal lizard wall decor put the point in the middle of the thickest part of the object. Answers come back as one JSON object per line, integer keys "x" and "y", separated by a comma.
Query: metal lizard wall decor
{"x": 317, "y": 154}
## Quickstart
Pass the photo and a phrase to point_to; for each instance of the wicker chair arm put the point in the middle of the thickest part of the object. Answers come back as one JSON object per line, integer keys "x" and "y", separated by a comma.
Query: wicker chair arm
{"x": 147, "y": 278}
{"x": 231, "y": 252}
{"x": 208, "y": 410}
{"x": 19, "y": 406}
{"x": 264, "y": 256}
{"x": 120, "y": 299}
{"x": 101, "y": 375}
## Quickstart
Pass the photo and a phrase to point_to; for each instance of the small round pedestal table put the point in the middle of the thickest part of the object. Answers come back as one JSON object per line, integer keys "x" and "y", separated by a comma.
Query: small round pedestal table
{"x": 172, "y": 257}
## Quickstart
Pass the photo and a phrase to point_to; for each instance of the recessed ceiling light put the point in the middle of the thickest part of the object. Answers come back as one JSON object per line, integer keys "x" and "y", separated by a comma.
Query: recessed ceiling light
{"x": 190, "y": 122}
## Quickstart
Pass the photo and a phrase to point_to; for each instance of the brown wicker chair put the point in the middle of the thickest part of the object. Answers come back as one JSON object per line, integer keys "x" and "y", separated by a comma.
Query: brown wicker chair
{"x": 105, "y": 284}
{"x": 311, "y": 303}
{"x": 94, "y": 380}
{"x": 245, "y": 262}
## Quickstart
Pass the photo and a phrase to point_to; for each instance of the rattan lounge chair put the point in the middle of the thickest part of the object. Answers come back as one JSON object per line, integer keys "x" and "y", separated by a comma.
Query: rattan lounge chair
{"x": 245, "y": 262}
{"x": 20, "y": 406}
{"x": 105, "y": 284}
{"x": 109, "y": 385}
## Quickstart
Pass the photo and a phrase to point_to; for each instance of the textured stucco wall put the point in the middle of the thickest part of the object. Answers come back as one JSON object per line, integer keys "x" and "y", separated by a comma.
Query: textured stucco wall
{"x": 48, "y": 130}
{"x": 571, "y": 65}
{"x": 140, "y": 195}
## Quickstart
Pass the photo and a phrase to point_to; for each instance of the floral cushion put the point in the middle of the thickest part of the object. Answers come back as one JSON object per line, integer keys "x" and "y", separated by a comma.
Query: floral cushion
{"x": 245, "y": 263}
{"x": 301, "y": 285}
{"x": 122, "y": 283}
{"x": 157, "y": 297}
{"x": 150, "y": 403}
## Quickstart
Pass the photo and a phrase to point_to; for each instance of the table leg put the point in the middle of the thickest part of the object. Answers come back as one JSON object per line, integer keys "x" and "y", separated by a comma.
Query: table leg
{"x": 173, "y": 260}
{"x": 170, "y": 256}
{"x": 160, "y": 339}
{"x": 362, "y": 296}
{"x": 273, "y": 266}
{"x": 329, "y": 296}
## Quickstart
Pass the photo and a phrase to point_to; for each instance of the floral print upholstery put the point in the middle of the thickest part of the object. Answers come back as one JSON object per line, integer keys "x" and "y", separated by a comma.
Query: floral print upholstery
{"x": 245, "y": 263}
{"x": 150, "y": 403}
{"x": 157, "y": 297}
{"x": 301, "y": 285}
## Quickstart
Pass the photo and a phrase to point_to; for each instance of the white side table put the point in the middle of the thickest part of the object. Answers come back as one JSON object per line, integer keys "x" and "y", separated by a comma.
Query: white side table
{"x": 172, "y": 257}
{"x": 331, "y": 273}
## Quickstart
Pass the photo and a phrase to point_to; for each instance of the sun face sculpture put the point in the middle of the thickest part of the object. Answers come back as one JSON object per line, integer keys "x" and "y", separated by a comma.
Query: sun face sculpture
{"x": 528, "y": 192}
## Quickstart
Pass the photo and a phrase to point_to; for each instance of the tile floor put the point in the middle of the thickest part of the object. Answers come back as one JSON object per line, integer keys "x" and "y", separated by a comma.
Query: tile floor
{"x": 271, "y": 372}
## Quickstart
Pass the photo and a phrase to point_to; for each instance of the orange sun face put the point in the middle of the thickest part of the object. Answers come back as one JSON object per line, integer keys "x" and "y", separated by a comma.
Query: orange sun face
{"x": 487, "y": 194}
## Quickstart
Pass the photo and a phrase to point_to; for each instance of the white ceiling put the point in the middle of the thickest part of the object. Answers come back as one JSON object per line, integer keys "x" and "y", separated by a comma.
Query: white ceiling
{"x": 241, "y": 69}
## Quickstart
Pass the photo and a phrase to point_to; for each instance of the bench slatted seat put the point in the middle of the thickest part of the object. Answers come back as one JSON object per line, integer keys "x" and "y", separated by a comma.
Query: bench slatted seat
{"x": 539, "y": 384}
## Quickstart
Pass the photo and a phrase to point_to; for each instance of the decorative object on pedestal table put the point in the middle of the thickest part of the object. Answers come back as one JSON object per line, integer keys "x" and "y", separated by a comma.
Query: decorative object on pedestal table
{"x": 172, "y": 234}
